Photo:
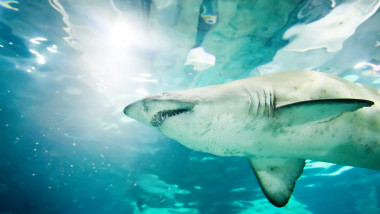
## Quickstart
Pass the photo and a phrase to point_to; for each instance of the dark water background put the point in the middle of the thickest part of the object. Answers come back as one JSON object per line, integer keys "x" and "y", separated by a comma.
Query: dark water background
{"x": 68, "y": 68}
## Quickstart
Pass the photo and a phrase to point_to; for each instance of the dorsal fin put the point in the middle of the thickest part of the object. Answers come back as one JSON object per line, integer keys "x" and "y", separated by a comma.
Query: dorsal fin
{"x": 317, "y": 110}
{"x": 277, "y": 177}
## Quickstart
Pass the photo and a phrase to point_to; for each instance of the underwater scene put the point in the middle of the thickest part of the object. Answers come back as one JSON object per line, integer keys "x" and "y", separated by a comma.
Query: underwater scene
{"x": 68, "y": 68}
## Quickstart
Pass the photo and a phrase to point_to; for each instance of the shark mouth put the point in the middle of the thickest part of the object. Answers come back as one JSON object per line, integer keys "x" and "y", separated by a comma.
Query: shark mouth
{"x": 160, "y": 116}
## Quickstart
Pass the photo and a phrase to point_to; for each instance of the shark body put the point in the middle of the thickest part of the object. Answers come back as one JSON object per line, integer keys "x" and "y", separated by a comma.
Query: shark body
{"x": 276, "y": 121}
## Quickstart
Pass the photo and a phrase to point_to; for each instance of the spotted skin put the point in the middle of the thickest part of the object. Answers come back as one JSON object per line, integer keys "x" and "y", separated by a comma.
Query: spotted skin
{"x": 329, "y": 119}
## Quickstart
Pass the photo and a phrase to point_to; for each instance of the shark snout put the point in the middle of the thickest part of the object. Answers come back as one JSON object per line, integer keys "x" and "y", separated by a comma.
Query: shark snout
{"x": 137, "y": 111}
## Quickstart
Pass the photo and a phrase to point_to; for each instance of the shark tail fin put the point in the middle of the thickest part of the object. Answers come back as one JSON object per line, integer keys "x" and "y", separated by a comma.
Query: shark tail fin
{"x": 277, "y": 177}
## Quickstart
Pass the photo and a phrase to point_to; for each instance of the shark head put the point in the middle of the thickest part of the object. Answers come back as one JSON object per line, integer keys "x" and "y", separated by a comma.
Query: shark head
{"x": 195, "y": 117}
{"x": 276, "y": 132}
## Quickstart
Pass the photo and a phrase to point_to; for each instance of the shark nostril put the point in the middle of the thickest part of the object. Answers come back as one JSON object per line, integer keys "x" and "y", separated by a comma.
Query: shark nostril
{"x": 126, "y": 110}
{"x": 145, "y": 108}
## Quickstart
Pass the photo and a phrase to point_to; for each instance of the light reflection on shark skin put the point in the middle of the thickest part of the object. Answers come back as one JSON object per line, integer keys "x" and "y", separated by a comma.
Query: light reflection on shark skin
{"x": 276, "y": 121}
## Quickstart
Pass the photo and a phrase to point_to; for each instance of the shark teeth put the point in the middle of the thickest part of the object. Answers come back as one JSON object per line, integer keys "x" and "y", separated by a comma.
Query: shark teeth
{"x": 160, "y": 116}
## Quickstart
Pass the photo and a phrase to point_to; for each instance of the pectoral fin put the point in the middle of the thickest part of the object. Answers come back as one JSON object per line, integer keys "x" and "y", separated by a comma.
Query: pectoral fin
{"x": 317, "y": 110}
{"x": 277, "y": 177}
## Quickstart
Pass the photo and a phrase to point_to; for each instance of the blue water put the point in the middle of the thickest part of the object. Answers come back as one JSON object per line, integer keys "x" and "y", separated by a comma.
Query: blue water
{"x": 68, "y": 68}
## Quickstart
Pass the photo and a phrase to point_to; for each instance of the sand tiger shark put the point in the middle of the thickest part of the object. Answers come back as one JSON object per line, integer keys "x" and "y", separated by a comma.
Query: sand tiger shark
{"x": 276, "y": 121}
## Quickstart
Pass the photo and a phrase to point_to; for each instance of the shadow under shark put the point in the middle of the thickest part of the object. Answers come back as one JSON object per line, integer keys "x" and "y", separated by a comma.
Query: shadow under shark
{"x": 276, "y": 121}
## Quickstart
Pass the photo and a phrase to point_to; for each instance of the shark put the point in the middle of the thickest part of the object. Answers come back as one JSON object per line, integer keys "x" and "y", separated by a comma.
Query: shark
{"x": 277, "y": 121}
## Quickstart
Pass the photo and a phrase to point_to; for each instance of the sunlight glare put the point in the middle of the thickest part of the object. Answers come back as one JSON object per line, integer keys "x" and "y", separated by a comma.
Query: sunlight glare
{"x": 123, "y": 35}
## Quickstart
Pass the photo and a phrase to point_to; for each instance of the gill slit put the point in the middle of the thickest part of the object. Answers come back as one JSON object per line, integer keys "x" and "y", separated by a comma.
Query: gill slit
{"x": 266, "y": 109}
{"x": 270, "y": 101}
{"x": 270, "y": 110}
{"x": 250, "y": 101}
{"x": 258, "y": 102}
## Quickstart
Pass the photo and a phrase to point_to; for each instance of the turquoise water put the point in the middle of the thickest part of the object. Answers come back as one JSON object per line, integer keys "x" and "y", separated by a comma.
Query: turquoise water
{"x": 68, "y": 68}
